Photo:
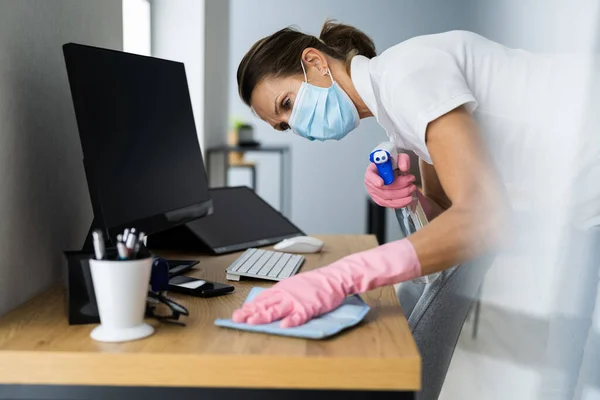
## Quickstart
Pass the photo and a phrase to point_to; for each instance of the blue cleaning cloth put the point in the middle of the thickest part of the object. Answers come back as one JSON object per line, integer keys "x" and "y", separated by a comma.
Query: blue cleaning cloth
{"x": 349, "y": 313}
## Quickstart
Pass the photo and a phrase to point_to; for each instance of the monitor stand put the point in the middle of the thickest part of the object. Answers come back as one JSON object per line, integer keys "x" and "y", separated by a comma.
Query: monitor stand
{"x": 184, "y": 238}
{"x": 180, "y": 238}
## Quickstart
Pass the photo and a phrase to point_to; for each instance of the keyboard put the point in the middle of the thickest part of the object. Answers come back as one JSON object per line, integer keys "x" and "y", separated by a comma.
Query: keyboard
{"x": 264, "y": 264}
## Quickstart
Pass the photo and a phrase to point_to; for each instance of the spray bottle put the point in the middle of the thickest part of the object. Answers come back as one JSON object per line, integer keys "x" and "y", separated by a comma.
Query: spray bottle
{"x": 412, "y": 217}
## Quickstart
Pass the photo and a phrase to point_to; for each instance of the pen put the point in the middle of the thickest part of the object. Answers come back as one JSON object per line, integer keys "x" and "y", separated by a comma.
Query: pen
{"x": 125, "y": 235}
{"x": 98, "y": 240}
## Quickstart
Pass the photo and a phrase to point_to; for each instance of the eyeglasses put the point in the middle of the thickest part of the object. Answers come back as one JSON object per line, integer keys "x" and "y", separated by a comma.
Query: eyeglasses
{"x": 176, "y": 309}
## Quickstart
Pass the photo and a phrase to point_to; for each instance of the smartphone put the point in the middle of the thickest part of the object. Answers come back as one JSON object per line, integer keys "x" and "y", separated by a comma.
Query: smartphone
{"x": 198, "y": 287}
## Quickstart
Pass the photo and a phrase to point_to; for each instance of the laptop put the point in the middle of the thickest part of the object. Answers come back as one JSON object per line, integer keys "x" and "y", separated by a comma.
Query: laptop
{"x": 240, "y": 220}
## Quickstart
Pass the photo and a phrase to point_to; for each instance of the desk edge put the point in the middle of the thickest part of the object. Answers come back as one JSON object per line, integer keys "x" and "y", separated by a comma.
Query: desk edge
{"x": 217, "y": 371}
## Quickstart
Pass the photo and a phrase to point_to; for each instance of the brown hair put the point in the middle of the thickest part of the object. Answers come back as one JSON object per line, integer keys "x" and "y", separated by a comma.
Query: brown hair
{"x": 279, "y": 54}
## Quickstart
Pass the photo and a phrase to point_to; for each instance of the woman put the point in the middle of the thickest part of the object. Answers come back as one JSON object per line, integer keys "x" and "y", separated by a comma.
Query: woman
{"x": 427, "y": 93}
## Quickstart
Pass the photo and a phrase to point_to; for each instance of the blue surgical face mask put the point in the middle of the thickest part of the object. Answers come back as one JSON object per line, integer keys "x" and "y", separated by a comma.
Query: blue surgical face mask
{"x": 323, "y": 113}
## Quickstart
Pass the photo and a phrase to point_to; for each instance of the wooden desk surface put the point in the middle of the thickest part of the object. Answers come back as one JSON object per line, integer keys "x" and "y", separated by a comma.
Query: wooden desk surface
{"x": 37, "y": 346}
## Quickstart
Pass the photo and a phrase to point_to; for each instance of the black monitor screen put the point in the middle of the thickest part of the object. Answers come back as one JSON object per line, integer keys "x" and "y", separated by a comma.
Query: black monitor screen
{"x": 137, "y": 132}
{"x": 241, "y": 219}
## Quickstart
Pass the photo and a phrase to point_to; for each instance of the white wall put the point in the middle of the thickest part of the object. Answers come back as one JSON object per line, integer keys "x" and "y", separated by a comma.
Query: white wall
{"x": 537, "y": 25}
{"x": 328, "y": 194}
{"x": 137, "y": 21}
{"x": 196, "y": 32}
{"x": 178, "y": 35}
{"x": 216, "y": 56}
{"x": 216, "y": 93}
{"x": 44, "y": 202}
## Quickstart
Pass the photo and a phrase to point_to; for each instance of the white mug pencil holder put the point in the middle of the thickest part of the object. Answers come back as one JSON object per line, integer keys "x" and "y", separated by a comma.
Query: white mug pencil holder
{"x": 121, "y": 288}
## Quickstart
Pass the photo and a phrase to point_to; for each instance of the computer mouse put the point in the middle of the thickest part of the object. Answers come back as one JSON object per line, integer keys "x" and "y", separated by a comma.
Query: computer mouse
{"x": 300, "y": 244}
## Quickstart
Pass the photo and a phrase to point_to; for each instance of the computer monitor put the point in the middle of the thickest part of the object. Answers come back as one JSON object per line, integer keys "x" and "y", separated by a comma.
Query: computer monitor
{"x": 140, "y": 147}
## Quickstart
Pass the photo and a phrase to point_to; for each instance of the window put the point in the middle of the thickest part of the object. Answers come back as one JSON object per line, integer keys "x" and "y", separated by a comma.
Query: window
{"x": 136, "y": 27}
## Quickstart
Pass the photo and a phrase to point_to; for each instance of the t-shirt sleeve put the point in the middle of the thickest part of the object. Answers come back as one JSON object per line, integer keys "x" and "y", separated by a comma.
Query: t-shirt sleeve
{"x": 426, "y": 84}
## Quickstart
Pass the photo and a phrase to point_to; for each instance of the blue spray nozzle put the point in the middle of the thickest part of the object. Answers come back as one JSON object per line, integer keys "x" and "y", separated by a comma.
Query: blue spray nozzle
{"x": 385, "y": 168}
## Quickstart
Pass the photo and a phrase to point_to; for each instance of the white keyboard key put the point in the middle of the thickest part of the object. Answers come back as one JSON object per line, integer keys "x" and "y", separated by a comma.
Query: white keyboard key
{"x": 289, "y": 267}
{"x": 275, "y": 272}
{"x": 264, "y": 271}
{"x": 240, "y": 261}
{"x": 264, "y": 258}
{"x": 250, "y": 262}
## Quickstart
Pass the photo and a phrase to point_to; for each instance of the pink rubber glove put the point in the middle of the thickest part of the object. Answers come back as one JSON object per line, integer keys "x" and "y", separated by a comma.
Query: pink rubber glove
{"x": 298, "y": 299}
{"x": 396, "y": 195}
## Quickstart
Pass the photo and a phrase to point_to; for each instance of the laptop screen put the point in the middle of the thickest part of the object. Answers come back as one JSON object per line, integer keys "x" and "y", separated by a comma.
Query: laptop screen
{"x": 241, "y": 219}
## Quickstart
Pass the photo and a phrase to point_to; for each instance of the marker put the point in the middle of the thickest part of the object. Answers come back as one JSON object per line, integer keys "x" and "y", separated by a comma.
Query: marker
{"x": 132, "y": 232}
{"x": 122, "y": 251}
{"x": 131, "y": 240}
{"x": 125, "y": 235}
{"x": 141, "y": 242}
{"x": 98, "y": 240}
{"x": 136, "y": 249}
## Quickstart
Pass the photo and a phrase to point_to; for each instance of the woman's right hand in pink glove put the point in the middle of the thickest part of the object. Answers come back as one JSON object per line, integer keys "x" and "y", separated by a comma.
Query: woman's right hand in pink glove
{"x": 396, "y": 195}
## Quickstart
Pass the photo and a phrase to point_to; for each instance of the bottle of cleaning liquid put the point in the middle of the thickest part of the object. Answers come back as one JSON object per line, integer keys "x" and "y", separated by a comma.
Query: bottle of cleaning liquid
{"x": 412, "y": 217}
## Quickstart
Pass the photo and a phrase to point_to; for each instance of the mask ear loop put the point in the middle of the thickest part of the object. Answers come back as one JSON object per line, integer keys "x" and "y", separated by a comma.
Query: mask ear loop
{"x": 303, "y": 70}
{"x": 306, "y": 78}
{"x": 330, "y": 76}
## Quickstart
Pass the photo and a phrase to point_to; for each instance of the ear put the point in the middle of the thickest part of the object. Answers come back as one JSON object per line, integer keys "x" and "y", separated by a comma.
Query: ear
{"x": 313, "y": 58}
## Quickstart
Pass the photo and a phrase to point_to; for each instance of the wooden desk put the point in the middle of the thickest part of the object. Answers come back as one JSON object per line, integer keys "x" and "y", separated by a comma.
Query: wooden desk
{"x": 38, "y": 348}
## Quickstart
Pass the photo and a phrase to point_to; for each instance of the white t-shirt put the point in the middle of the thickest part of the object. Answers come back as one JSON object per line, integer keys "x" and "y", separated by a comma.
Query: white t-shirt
{"x": 528, "y": 106}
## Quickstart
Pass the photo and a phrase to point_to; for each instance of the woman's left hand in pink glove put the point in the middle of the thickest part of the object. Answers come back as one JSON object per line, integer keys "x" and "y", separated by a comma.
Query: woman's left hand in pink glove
{"x": 298, "y": 299}
{"x": 398, "y": 194}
